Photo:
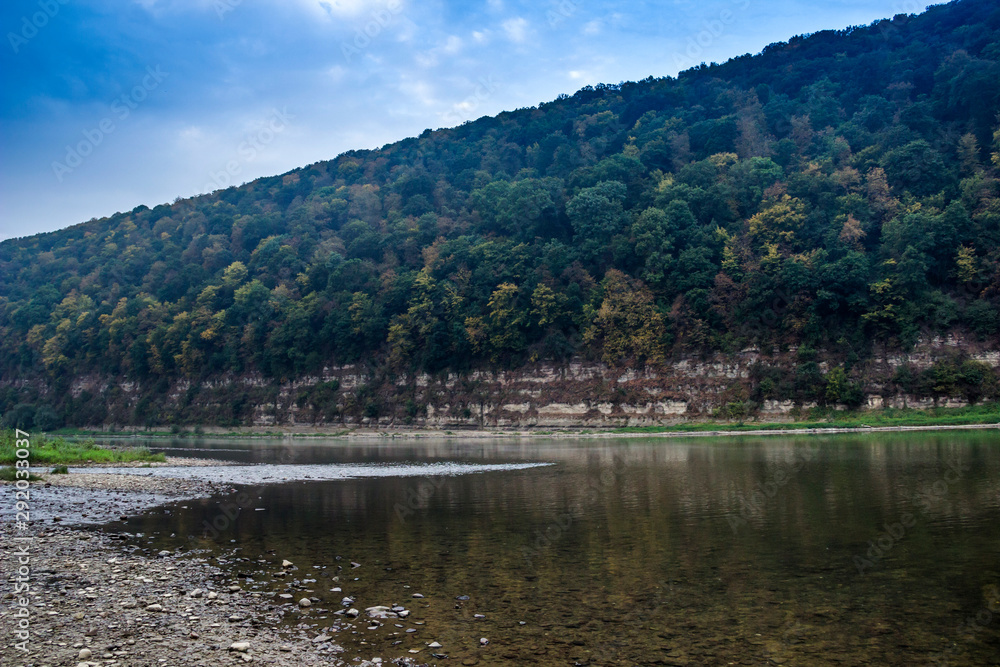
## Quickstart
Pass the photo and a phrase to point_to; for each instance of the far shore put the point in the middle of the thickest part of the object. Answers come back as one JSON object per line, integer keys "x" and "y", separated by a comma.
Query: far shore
{"x": 682, "y": 431}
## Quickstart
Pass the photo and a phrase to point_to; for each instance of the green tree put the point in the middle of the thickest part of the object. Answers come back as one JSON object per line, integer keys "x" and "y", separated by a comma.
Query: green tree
{"x": 627, "y": 327}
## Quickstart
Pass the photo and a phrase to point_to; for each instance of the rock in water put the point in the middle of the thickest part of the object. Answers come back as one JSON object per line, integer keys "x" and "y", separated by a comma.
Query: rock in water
{"x": 305, "y": 602}
{"x": 240, "y": 647}
{"x": 380, "y": 612}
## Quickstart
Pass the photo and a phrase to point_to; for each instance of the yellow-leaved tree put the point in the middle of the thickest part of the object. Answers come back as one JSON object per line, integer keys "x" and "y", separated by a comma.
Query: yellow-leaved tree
{"x": 627, "y": 327}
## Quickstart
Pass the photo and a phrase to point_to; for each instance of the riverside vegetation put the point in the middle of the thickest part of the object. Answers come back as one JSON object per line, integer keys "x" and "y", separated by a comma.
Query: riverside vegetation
{"x": 837, "y": 195}
{"x": 48, "y": 450}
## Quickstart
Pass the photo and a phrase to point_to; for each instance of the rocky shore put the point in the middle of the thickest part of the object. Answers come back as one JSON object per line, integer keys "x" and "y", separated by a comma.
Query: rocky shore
{"x": 94, "y": 599}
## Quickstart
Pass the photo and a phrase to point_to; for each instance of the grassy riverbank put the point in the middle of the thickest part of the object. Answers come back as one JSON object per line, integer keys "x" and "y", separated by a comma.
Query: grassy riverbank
{"x": 832, "y": 419}
{"x": 49, "y": 450}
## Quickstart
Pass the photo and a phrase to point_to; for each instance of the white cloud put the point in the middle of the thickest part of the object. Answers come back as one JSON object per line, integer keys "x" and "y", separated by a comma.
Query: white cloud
{"x": 592, "y": 27}
{"x": 418, "y": 91}
{"x": 496, "y": 5}
{"x": 481, "y": 36}
{"x": 516, "y": 29}
{"x": 349, "y": 8}
{"x": 452, "y": 45}
{"x": 191, "y": 133}
{"x": 320, "y": 9}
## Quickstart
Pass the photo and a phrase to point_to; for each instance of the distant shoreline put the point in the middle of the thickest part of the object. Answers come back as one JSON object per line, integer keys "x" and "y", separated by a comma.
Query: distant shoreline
{"x": 415, "y": 434}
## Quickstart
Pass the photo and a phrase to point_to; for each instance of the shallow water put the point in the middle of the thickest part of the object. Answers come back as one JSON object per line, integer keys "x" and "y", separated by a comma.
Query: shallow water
{"x": 852, "y": 549}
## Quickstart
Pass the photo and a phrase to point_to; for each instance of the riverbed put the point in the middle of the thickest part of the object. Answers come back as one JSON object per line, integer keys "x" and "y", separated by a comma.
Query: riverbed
{"x": 811, "y": 550}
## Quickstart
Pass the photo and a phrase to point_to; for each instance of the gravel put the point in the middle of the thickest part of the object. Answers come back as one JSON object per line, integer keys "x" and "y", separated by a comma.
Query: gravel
{"x": 96, "y": 600}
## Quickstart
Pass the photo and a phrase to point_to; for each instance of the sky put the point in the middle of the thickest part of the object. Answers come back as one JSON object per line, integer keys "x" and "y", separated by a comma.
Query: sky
{"x": 109, "y": 104}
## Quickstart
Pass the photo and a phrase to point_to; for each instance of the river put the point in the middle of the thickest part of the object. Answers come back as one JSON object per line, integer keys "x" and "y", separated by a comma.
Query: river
{"x": 814, "y": 550}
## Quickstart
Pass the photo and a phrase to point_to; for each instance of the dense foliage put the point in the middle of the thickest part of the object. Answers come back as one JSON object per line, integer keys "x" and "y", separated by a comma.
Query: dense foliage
{"x": 837, "y": 191}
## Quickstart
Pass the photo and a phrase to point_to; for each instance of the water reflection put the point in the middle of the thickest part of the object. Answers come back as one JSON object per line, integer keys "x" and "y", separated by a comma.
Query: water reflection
{"x": 695, "y": 551}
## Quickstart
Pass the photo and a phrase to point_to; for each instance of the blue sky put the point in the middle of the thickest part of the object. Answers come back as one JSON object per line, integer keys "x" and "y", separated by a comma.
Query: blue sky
{"x": 114, "y": 103}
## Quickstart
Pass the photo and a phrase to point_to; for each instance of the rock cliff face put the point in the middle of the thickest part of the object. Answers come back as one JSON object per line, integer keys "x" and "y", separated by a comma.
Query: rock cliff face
{"x": 576, "y": 394}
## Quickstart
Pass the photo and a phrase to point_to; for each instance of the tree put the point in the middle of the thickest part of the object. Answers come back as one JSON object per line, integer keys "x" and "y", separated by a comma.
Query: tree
{"x": 597, "y": 215}
{"x": 916, "y": 167}
{"x": 627, "y": 327}
{"x": 780, "y": 222}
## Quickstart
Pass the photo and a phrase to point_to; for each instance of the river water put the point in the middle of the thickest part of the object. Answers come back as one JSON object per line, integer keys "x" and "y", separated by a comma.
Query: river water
{"x": 813, "y": 550}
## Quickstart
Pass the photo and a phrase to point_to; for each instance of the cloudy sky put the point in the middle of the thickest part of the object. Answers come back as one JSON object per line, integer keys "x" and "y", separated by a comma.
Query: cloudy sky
{"x": 108, "y": 104}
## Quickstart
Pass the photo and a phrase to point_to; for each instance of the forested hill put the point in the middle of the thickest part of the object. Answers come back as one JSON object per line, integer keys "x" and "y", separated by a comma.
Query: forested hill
{"x": 839, "y": 191}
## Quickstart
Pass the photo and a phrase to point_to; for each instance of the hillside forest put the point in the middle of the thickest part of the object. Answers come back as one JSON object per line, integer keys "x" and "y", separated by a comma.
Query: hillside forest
{"x": 837, "y": 195}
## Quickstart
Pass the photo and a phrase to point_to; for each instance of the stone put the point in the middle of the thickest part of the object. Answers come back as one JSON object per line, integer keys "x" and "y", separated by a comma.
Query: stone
{"x": 319, "y": 639}
{"x": 212, "y": 595}
{"x": 234, "y": 589}
{"x": 86, "y": 654}
{"x": 164, "y": 553}
{"x": 434, "y": 645}
{"x": 305, "y": 602}
{"x": 286, "y": 563}
{"x": 197, "y": 593}
{"x": 154, "y": 607}
{"x": 417, "y": 595}
{"x": 380, "y": 612}
{"x": 353, "y": 613}
{"x": 240, "y": 647}
{"x": 483, "y": 641}
{"x": 78, "y": 616}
